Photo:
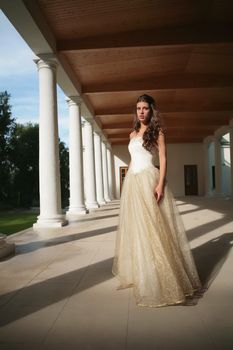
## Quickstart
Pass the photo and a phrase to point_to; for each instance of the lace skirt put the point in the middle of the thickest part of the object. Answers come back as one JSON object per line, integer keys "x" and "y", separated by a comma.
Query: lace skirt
{"x": 152, "y": 252}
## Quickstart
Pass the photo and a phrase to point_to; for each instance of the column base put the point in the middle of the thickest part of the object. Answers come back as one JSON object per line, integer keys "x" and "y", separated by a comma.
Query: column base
{"x": 77, "y": 211}
{"x": 93, "y": 205}
{"x": 219, "y": 194}
{"x": 209, "y": 195}
{"x": 101, "y": 201}
{"x": 228, "y": 198}
{"x": 57, "y": 221}
{"x": 108, "y": 200}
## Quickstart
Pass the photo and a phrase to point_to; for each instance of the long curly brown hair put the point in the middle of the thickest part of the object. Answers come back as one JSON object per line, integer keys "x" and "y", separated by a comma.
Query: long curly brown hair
{"x": 155, "y": 123}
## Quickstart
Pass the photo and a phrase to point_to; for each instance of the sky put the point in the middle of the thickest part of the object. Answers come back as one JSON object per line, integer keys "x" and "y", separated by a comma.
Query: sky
{"x": 19, "y": 77}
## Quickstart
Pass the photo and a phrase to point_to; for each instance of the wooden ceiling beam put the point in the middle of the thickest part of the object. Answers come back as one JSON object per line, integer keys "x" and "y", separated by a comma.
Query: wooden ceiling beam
{"x": 184, "y": 140}
{"x": 107, "y": 127}
{"x": 200, "y": 33}
{"x": 163, "y": 82}
{"x": 122, "y": 115}
{"x": 174, "y": 128}
{"x": 175, "y": 122}
{"x": 117, "y": 136}
{"x": 172, "y": 115}
{"x": 168, "y": 140}
{"x": 177, "y": 134}
{"x": 189, "y": 108}
{"x": 174, "y": 133}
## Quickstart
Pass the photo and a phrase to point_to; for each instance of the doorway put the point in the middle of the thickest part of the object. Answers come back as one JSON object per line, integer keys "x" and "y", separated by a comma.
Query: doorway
{"x": 190, "y": 180}
{"x": 123, "y": 171}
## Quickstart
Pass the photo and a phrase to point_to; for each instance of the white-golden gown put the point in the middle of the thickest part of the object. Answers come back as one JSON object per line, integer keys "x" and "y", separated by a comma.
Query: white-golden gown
{"x": 152, "y": 252}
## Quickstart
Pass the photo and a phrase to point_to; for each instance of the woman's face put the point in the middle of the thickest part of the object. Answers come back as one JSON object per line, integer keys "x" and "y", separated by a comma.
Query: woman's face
{"x": 143, "y": 112}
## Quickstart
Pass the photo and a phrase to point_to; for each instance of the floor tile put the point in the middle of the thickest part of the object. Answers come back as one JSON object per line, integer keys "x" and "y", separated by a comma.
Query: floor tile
{"x": 58, "y": 291}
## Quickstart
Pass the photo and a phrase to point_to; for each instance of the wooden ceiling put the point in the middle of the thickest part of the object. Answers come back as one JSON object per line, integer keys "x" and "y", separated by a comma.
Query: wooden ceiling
{"x": 180, "y": 52}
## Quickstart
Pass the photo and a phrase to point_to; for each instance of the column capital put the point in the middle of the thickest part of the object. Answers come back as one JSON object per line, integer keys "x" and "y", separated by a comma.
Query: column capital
{"x": 97, "y": 129}
{"x": 216, "y": 138}
{"x": 103, "y": 139}
{"x": 221, "y": 131}
{"x": 74, "y": 100}
{"x": 97, "y": 133}
{"x": 208, "y": 139}
{"x": 46, "y": 61}
{"x": 87, "y": 121}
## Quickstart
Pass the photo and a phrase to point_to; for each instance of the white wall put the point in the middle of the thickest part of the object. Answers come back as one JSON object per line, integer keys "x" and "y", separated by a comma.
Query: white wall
{"x": 121, "y": 158}
{"x": 178, "y": 155}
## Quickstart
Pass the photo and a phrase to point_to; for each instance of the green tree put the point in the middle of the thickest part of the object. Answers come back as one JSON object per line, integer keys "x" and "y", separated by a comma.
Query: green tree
{"x": 64, "y": 171}
{"x": 7, "y": 126}
{"x": 25, "y": 165}
{"x": 19, "y": 161}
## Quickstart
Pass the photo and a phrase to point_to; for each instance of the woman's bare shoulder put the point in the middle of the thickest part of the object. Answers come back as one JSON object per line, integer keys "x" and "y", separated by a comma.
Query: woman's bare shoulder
{"x": 161, "y": 135}
{"x": 162, "y": 131}
{"x": 132, "y": 134}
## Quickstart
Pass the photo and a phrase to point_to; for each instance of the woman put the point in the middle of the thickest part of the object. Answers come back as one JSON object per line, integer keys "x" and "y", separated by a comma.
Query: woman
{"x": 152, "y": 253}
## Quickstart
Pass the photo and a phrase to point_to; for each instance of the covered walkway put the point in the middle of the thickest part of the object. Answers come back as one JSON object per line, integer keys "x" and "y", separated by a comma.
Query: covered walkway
{"x": 58, "y": 292}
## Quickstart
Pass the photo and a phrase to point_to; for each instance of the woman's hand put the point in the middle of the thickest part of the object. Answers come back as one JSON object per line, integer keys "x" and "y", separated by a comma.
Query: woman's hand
{"x": 159, "y": 192}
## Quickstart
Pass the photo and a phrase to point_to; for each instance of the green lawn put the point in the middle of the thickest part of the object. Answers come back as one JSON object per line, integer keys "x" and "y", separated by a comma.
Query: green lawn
{"x": 11, "y": 222}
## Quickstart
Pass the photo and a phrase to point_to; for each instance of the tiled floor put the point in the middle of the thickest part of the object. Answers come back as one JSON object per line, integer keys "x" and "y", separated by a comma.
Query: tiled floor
{"x": 58, "y": 292}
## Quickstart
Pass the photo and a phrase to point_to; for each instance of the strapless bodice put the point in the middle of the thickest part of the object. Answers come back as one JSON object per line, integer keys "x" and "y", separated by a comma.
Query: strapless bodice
{"x": 140, "y": 157}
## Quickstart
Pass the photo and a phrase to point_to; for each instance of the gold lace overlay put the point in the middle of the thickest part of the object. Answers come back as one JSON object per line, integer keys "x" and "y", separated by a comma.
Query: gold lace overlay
{"x": 152, "y": 252}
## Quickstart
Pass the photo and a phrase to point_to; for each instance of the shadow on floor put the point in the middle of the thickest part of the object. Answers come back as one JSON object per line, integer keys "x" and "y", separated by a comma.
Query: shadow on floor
{"x": 43, "y": 296}
{"x": 86, "y": 219}
{"x": 210, "y": 257}
{"x": 203, "y": 229}
{"x": 32, "y": 246}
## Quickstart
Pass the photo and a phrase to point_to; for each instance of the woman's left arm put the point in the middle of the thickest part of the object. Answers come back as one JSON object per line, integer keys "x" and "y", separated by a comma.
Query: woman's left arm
{"x": 159, "y": 190}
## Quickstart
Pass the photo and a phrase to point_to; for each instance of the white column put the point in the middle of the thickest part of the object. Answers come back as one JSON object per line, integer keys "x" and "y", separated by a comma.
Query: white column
{"x": 99, "y": 169}
{"x": 90, "y": 188}
{"x": 77, "y": 205}
{"x": 231, "y": 155}
{"x": 218, "y": 180}
{"x": 50, "y": 188}
{"x": 206, "y": 144}
{"x": 110, "y": 173}
{"x": 105, "y": 172}
{"x": 206, "y": 167}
